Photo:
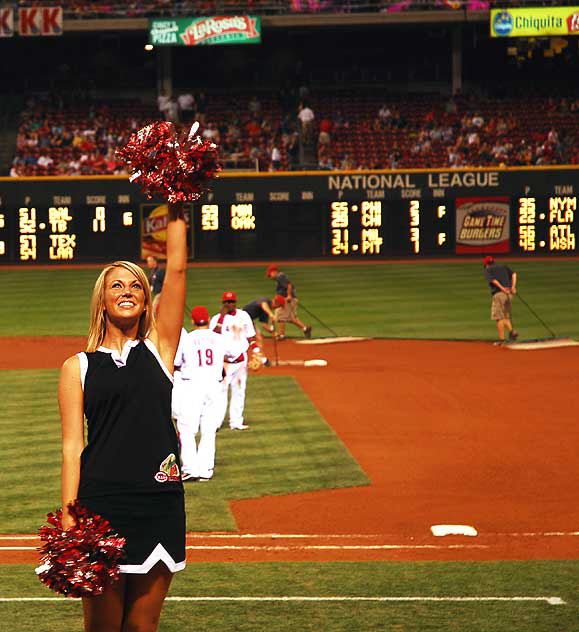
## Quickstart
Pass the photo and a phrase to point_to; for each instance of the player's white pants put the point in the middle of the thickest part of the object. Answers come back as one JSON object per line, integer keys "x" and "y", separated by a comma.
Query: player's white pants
{"x": 236, "y": 380}
{"x": 198, "y": 413}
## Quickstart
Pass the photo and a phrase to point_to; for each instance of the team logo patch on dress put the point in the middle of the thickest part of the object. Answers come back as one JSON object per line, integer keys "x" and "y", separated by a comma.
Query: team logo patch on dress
{"x": 168, "y": 470}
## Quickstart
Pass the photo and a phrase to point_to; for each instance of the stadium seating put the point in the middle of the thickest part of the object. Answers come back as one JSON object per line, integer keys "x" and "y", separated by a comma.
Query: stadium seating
{"x": 90, "y": 9}
{"x": 415, "y": 131}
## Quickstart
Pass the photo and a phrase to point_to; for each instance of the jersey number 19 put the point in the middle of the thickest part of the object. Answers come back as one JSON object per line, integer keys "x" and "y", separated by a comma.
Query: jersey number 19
{"x": 208, "y": 357}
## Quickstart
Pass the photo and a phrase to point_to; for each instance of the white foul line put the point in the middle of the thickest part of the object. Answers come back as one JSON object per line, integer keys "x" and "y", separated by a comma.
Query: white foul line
{"x": 310, "y": 547}
{"x": 329, "y": 536}
{"x": 333, "y": 547}
{"x": 305, "y": 536}
{"x": 18, "y": 548}
{"x": 286, "y": 536}
{"x": 552, "y": 601}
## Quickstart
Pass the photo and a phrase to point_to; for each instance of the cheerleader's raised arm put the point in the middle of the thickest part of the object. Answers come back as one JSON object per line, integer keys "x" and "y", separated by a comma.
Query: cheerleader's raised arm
{"x": 169, "y": 322}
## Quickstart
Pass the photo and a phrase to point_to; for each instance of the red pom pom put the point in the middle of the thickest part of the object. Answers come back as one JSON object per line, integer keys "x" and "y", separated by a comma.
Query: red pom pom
{"x": 82, "y": 560}
{"x": 177, "y": 170}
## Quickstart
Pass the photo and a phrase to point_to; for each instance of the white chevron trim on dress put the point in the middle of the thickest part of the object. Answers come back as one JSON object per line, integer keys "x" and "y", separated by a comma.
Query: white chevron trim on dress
{"x": 158, "y": 554}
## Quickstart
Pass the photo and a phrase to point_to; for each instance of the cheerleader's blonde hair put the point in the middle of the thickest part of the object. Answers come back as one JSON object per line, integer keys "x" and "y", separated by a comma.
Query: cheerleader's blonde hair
{"x": 98, "y": 326}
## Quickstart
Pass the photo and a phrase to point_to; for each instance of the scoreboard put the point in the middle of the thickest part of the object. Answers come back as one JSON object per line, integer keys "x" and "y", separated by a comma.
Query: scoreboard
{"x": 303, "y": 215}
{"x": 334, "y": 228}
{"x": 67, "y": 233}
{"x": 547, "y": 225}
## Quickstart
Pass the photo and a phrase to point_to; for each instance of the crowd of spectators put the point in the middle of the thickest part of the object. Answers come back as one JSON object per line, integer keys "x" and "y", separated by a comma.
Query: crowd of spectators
{"x": 89, "y": 9}
{"x": 252, "y": 132}
{"x": 80, "y": 138}
{"x": 428, "y": 131}
{"x": 350, "y": 131}
{"x": 57, "y": 138}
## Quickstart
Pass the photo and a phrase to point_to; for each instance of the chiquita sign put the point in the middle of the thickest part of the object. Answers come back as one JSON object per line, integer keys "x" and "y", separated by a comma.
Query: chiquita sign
{"x": 534, "y": 22}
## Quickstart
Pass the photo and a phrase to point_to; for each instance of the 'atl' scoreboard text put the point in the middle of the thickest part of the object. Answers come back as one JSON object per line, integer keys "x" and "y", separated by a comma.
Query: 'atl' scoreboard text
{"x": 547, "y": 226}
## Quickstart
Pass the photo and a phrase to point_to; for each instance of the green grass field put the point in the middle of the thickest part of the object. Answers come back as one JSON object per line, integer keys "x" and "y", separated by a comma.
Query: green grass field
{"x": 417, "y": 300}
{"x": 423, "y": 300}
{"x": 236, "y": 593}
{"x": 289, "y": 449}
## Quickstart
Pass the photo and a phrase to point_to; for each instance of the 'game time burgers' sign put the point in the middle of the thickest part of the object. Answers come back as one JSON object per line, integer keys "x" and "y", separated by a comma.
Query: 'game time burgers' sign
{"x": 229, "y": 29}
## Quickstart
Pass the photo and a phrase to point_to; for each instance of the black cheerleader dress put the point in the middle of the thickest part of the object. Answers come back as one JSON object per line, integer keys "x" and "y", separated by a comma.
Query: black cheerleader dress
{"x": 130, "y": 468}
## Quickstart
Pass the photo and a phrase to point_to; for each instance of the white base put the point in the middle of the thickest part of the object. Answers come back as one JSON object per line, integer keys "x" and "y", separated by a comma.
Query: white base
{"x": 453, "y": 529}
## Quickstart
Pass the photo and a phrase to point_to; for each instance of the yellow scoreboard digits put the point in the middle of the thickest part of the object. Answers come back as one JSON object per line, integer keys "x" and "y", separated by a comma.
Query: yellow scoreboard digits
{"x": 62, "y": 247}
{"x": 99, "y": 223}
{"x": 414, "y": 213}
{"x": 62, "y": 243}
{"x": 340, "y": 241}
{"x": 561, "y": 217}
{"x": 242, "y": 217}
{"x": 209, "y": 217}
{"x": 58, "y": 218}
{"x": 27, "y": 220}
{"x": 62, "y": 231}
{"x": 27, "y": 236}
{"x": 401, "y": 227}
{"x": 371, "y": 241}
{"x": 527, "y": 210}
{"x": 363, "y": 215}
{"x": 440, "y": 213}
{"x": 339, "y": 215}
{"x": 554, "y": 224}
{"x": 2, "y": 242}
{"x": 355, "y": 228}
{"x": 527, "y": 218}
{"x": 339, "y": 222}
{"x": 371, "y": 214}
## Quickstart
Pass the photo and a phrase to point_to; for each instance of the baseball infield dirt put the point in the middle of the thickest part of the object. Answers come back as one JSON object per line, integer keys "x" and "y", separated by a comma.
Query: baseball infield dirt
{"x": 448, "y": 432}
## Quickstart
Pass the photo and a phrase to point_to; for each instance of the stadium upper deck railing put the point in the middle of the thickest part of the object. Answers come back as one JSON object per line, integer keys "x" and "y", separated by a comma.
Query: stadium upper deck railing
{"x": 92, "y": 9}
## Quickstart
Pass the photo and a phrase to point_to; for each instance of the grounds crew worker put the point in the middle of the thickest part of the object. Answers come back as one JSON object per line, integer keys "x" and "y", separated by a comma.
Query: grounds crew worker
{"x": 503, "y": 283}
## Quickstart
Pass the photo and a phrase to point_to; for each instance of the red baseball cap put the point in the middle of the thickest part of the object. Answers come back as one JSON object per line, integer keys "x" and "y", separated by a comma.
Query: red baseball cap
{"x": 229, "y": 296}
{"x": 200, "y": 315}
{"x": 272, "y": 268}
{"x": 278, "y": 300}
{"x": 489, "y": 260}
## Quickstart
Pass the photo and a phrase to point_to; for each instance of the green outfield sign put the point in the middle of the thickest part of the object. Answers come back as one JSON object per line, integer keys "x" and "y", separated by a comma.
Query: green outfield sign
{"x": 535, "y": 22}
{"x": 229, "y": 29}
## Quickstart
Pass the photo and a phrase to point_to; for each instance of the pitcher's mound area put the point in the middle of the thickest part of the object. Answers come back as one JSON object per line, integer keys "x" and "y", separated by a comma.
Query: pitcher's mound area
{"x": 545, "y": 343}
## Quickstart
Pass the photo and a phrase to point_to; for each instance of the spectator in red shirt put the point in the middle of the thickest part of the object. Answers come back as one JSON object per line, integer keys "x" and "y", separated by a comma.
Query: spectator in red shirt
{"x": 326, "y": 125}
{"x": 253, "y": 128}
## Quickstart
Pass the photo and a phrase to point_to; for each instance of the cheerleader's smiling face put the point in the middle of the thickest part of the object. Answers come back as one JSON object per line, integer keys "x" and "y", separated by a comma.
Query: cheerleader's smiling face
{"x": 124, "y": 295}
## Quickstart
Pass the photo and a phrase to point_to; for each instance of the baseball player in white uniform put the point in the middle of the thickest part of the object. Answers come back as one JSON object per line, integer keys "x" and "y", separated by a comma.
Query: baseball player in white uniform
{"x": 176, "y": 393}
{"x": 237, "y": 326}
{"x": 201, "y": 356}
